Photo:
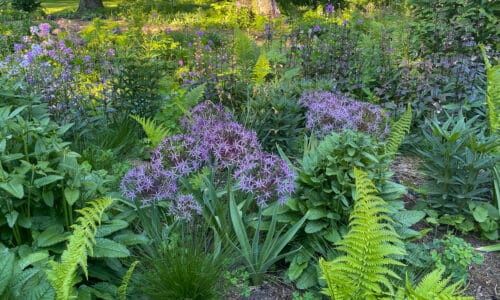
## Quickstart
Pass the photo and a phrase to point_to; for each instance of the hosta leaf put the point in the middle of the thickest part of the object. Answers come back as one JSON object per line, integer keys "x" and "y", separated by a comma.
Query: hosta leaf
{"x": 108, "y": 248}
{"x": 109, "y": 228}
{"x": 13, "y": 187}
{"x": 47, "y": 180}
{"x": 51, "y": 236}
{"x": 6, "y": 269}
{"x": 316, "y": 213}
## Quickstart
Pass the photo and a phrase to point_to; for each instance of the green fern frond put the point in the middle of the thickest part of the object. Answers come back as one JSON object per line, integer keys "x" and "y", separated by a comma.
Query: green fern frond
{"x": 262, "y": 69}
{"x": 245, "y": 51}
{"x": 193, "y": 97}
{"x": 364, "y": 270}
{"x": 155, "y": 133}
{"x": 398, "y": 131}
{"x": 433, "y": 286}
{"x": 63, "y": 275}
{"x": 122, "y": 289}
{"x": 492, "y": 93}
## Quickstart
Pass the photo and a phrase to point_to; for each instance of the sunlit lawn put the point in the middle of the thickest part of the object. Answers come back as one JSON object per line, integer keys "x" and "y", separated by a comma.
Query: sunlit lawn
{"x": 55, "y": 6}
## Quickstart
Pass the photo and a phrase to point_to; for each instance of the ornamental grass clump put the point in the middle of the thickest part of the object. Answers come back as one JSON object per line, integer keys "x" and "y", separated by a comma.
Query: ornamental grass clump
{"x": 327, "y": 112}
{"x": 211, "y": 140}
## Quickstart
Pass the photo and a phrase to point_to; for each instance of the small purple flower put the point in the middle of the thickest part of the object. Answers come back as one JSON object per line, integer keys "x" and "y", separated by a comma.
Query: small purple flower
{"x": 344, "y": 22}
{"x": 44, "y": 29}
{"x": 360, "y": 21}
{"x": 111, "y": 52}
{"x": 207, "y": 48}
{"x": 181, "y": 63}
{"x": 34, "y": 29}
{"x": 316, "y": 28}
{"x": 200, "y": 32}
{"x": 191, "y": 74}
{"x": 391, "y": 50}
{"x": 190, "y": 44}
{"x": 329, "y": 8}
{"x": 169, "y": 30}
{"x": 154, "y": 16}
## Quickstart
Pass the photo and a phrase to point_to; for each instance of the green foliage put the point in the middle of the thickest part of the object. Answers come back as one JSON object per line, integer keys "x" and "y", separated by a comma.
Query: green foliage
{"x": 433, "y": 286}
{"x": 122, "y": 289}
{"x": 26, "y": 5}
{"x": 325, "y": 193}
{"x": 245, "y": 52}
{"x": 259, "y": 257}
{"x": 262, "y": 69}
{"x": 457, "y": 161}
{"x": 22, "y": 276}
{"x": 365, "y": 269}
{"x": 155, "y": 133}
{"x": 274, "y": 114}
{"x": 456, "y": 255}
{"x": 398, "y": 131}
{"x": 63, "y": 275}
{"x": 184, "y": 268}
{"x": 40, "y": 177}
{"x": 492, "y": 94}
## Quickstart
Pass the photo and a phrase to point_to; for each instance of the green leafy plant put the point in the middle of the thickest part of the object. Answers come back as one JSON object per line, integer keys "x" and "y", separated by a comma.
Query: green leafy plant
{"x": 365, "y": 269}
{"x": 122, "y": 289}
{"x": 63, "y": 275}
{"x": 398, "y": 131}
{"x": 457, "y": 161}
{"x": 186, "y": 267}
{"x": 155, "y": 133}
{"x": 258, "y": 256}
{"x": 262, "y": 69}
{"x": 456, "y": 255}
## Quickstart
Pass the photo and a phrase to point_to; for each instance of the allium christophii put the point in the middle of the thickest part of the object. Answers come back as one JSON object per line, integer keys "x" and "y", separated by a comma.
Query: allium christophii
{"x": 329, "y": 112}
{"x": 211, "y": 139}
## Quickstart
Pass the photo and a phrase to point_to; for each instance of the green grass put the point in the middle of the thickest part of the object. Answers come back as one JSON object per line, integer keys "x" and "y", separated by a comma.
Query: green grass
{"x": 57, "y": 6}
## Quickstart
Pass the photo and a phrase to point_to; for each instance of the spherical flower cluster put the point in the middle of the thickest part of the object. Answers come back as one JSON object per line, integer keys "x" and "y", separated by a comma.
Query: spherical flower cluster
{"x": 329, "y": 112}
{"x": 212, "y": 139}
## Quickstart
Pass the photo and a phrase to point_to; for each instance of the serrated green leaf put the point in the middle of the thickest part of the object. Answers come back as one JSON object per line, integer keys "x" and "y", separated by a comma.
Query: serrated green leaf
{"x": 47, "y": 180}
{"x": 108, "y": 228}
{"x": 6, "y": 269}
{"x": 480, "y": 214}
{"x": 295, "y": 270}
{"x": 108, "y": 248}
{"x": 13, "y": 187}
{"x": 51, "y": 236}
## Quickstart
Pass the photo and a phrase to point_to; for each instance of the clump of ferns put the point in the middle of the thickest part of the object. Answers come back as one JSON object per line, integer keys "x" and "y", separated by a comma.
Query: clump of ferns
{"x": 371, "y": 247}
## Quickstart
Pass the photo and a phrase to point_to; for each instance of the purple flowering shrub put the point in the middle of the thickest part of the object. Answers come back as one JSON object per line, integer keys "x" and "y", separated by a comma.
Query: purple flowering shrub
{"x": 212, "y": 139}
{"x": 327, "y": 112}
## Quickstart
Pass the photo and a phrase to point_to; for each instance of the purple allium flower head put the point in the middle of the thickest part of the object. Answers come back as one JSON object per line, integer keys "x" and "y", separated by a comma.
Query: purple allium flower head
{"x": 184, "y": 206}
{"x": 316, "y": 28}
{"x": 200, "y": 32}
{"x": 329, "y": 8}
{"x": 334, "y": 112}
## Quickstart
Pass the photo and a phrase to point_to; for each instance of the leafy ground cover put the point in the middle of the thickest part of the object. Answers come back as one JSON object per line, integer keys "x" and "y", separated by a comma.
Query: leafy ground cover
{"x": 249, "y": 150}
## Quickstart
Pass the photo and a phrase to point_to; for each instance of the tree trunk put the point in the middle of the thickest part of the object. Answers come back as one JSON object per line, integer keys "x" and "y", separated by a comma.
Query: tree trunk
{"x": 262, "y": 7}
{"x": 89, "y": 4}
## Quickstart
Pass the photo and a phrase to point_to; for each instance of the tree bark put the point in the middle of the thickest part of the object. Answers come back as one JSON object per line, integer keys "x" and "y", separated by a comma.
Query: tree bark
{"x": 89, "y": 4}
{"x": 262, "y": 7}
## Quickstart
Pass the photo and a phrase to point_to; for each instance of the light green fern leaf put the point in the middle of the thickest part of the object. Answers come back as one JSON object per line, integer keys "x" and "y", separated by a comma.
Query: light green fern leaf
{"x": 433, "y": 286}
{"x": 155, "y": 133}
{"x": 194, "y": 96}
{"x": 122, "y": 289}
{"x": 493, "y": 93}
{"x": 245, "y": 51}
{"x": 365, "y": 269}
{"x": 262, "y": 69}
{"x": 398, "y": 131}
{"x": 63, "y": 275}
